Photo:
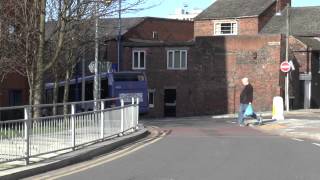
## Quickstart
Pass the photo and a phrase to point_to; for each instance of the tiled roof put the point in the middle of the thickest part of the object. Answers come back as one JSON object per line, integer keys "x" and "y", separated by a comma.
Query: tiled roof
{"x": 235, "y": 8}
{"x": 304, "y": 21}
{"x": 108, "y": 28}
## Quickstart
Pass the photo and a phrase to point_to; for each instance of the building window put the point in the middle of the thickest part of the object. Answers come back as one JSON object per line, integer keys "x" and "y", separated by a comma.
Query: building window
{"x": 151, "y": 95}
{"x": 177, "y": 59}
{"x": 225, "y": 28}
{"x": 138, "y": 59}
{"x": 155, "y": 35}
{"x": 15, "y": 97}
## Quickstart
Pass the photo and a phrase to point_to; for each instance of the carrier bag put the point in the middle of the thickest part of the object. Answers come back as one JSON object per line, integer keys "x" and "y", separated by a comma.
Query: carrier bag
{"x": 249, "y": 111}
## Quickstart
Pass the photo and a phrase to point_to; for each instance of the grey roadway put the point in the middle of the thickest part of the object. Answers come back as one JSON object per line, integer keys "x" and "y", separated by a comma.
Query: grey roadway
{"x": 203, "y": 148}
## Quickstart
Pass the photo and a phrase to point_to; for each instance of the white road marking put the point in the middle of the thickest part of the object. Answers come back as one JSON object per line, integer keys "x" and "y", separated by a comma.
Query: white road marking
{"x": 296, "y": 139}
{"x": 317, "y": 144}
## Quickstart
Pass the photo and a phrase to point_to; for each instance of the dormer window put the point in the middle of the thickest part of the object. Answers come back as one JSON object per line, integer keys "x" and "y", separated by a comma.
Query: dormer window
{"x": 223, "y": 28}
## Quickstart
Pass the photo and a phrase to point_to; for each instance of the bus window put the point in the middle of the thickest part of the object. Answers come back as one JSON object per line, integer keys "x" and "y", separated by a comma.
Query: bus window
{"x": 89, "y": 91}
{"x": 60, "y": 94}
{"x": 49, "y": 96}
{"x": 104, "y": 89}
{"x": 128, "y": 77}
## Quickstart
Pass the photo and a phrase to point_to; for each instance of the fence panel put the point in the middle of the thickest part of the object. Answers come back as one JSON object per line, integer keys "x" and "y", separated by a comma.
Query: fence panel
{"x": 22, "y": 139}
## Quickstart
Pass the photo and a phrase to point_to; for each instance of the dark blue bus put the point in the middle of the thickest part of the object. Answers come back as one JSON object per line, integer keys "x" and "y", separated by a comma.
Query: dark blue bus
{"x": 115, "y": 84}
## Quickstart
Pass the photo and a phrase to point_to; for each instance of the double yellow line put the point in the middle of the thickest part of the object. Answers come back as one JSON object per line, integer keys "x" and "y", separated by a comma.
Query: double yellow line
{"x": 155, "y": 136}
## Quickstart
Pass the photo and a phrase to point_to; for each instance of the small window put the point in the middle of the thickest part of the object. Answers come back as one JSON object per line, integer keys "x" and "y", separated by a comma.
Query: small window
{"x": 138, "y": 59}
{"x": 225, "y": 28}
{"x": 151, "y": 95}
{"x": 155, "y": 35}
{"x": 15, "y": 97}
{"x": 177, "y": 59}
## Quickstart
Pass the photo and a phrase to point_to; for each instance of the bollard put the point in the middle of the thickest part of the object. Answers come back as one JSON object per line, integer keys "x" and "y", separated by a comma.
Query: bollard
{"x": 277, "y": 108}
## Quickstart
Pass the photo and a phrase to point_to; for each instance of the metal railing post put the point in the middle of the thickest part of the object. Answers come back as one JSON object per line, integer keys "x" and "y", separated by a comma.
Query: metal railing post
{"x": 137, "y": 113}
{"x": 27, "y": 117}
{"x": 122, "y": 115}
{"x": 132, "y": 115}
{"x": 73, "y": 127}
{"x": 102, "y": 120}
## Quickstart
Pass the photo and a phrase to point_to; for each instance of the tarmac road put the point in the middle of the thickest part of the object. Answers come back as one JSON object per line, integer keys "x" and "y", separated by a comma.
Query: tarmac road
{"x": 202, "y": 148}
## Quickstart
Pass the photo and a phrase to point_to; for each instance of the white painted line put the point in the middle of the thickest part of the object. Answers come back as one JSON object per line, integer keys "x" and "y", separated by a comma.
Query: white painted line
{"x": 296, "y": 139}
{"x": 317, "y": 144}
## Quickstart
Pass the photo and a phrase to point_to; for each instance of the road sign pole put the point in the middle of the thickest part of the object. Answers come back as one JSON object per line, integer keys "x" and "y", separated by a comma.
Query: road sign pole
{"x": 287, "y": 91}
{"x": 287, "y": 60}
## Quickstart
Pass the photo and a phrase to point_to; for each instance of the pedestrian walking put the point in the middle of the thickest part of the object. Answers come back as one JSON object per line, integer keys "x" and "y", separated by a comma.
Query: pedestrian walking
{"x": 246, "y": 98}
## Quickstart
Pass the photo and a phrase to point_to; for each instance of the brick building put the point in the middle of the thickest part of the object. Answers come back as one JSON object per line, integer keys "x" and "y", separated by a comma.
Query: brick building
{"x": 190, "y": 75}
{"x": 199, "y": 73}
{"x": 259, "y": 18}
{"x": 147, "y": 44}
{"x": 194, "y": 68}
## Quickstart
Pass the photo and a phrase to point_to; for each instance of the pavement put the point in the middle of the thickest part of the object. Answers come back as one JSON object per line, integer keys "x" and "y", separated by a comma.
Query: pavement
{"x": 299, "y": 124}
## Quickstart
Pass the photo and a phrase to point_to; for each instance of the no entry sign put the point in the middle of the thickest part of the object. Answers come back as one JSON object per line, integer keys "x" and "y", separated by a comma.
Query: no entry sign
{"x": 285, "y": 66}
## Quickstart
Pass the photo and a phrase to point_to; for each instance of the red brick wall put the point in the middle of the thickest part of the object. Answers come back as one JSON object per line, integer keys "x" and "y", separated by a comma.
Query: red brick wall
{"x": 246, "y": 26}
{"x": 13, "y": 82}
{"x": 167, "y": 29}
{"x": 203, "y": 28}
{"x": 255, "y": 57}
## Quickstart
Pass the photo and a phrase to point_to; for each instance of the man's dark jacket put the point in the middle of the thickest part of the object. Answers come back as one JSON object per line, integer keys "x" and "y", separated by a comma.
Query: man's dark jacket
{"x": 246, "y": 95}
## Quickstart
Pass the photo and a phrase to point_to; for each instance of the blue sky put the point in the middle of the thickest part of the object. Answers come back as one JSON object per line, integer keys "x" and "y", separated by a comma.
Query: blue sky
{"x": 166, "y": 7}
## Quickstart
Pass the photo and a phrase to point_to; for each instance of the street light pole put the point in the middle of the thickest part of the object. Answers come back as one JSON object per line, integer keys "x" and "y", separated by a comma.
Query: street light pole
{"x": 287, "y": 60}
{"x": 96, "y": 56}
{"x": 119, "y": 36}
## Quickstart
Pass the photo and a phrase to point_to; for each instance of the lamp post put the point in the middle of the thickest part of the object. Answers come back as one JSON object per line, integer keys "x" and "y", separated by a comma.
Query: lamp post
{"x": 96, "y": 56}
{"x": 287, "y": 59}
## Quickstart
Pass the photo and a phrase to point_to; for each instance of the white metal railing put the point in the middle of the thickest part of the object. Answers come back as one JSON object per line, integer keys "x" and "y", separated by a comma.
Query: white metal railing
{"x": 31, "y": 137}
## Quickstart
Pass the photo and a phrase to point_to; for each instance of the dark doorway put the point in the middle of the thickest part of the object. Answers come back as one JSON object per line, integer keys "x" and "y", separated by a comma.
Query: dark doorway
{"x": 170, "y": 98}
